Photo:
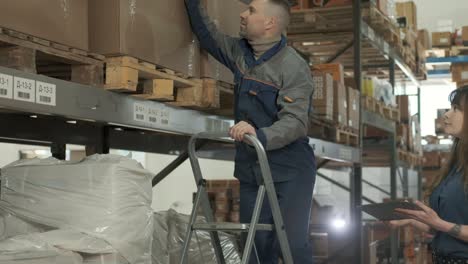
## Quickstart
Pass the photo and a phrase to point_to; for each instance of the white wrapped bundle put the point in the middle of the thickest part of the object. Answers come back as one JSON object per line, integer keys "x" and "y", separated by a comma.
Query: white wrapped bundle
{"x": 104, "y": 196}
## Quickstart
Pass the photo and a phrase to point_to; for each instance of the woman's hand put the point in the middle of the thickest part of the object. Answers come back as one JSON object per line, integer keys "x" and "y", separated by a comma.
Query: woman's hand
{"x": 426, "y": 216}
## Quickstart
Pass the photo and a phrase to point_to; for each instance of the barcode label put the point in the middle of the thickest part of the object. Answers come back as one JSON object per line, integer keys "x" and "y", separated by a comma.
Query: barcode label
{"x": 23, "y": 95}
{"x": 153, "y": 119}
{"x": 25, "y": 89}
{"x": 6, "y": 86}
{"x": 140, "y": 111}
{"x": 45, "y": 99}
{"x": 46, "y": 93}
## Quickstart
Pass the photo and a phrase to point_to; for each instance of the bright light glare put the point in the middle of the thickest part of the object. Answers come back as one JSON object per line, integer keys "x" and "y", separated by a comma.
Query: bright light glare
{"x": 339, "y": 223}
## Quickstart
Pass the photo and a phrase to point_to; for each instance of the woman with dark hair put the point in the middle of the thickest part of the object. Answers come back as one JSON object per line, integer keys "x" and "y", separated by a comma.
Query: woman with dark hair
{"x": 446, "y": 217}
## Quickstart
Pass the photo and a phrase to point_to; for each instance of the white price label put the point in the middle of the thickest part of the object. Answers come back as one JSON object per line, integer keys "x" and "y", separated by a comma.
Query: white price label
{"x": 45, "y": 93}
{"x": 371, "y": 34}
{"x": 6, "y": 86}
{"x": 153, "y": 115}
{"x": 24, "y": 89}
{"x": 140, "y": 112}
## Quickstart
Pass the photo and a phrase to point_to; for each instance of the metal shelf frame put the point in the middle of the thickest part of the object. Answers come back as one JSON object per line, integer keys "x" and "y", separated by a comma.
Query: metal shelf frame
{"x": 102, "y": 120}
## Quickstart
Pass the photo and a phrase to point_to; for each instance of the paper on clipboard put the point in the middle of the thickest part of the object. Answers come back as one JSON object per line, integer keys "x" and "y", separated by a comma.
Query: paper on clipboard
{"x": 386, "y": 211}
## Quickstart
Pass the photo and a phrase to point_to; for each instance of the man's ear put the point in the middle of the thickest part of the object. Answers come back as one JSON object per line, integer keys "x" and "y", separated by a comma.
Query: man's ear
{"x": 271, "y": 22}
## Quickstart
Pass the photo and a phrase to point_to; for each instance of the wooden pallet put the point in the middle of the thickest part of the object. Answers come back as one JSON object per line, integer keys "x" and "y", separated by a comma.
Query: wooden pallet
{"x": 148, "y": 81}
{"x": 331, "y": 131}
{"x": 36, "y": 55}
{"x": 412, "y": 159}
{"x": 321, "y": 19}
{"x": 382, "y": 24}
{"x": 391, "y": 113}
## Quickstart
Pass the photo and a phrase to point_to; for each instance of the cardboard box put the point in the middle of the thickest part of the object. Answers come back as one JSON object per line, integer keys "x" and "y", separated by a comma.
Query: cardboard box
{"x": 424, "y": 39}
{"x": 340, "y": 104}
{"x": 444, "y": 158}
{"x": 465, "y": 35}
{"x": 402, "y": 136}
{"x": 335, "y": 69}
{"x": 408, "y": 10}
{"x": 431, "y": 159}
{"x": 441, "y": 39}
{"x": 373, "y": 132}
{"x": 227, "y": 23}
{"x": 154, "y": 31}
{"x": 64, "y": 22}
{"x": 404, "y": 106}
{"x": 322, "y": 100}
{"x": 428, "y": 176}
{"x": 354, "y": 101}
{"x": 350, "y": 82}
{"x": 459, "y": 72}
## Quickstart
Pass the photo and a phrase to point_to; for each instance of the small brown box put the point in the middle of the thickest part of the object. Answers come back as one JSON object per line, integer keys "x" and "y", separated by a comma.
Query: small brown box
{"x": 431, "y": 159}
{"x": 335, "y": 69}
{"x": 322, "y": 100}
{"x": 404, "y": 106}
{"x": 465, "y": 35}
{"x": 234, "y": 216}
{"x": 423, "y": 37}
{"x": 460, "y": 72}
{"x": 408, "y": 10}
{"x": 441, "y": 39}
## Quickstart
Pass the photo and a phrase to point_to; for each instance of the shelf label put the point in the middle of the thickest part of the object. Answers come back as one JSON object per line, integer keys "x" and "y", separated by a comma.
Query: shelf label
{"x": 165, "y": 116}
{"x": 45, "y": 93}
{"x": 153, "y": 115}
{"x": 24, "y": 89}
{"x": 140, "y": 112}
{"x": 6, "y": 86}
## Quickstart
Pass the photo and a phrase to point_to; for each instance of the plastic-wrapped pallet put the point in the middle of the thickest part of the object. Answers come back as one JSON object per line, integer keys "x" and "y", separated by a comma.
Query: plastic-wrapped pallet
{"x": 114, "y": 258}
{"x": 31, "y": 249}
{"x": 169, "y": 233}
{"x": 105, "y": 197}
{"x": 11, "y": 226}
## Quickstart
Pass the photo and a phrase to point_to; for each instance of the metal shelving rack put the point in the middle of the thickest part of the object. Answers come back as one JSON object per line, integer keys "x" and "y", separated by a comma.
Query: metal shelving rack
{"x": 100, "y": 120}
{"x": 370, "y": 51}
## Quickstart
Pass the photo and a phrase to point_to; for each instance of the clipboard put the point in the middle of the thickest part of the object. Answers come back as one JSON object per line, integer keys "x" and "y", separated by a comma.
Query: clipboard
{"x": 386, "y": 211}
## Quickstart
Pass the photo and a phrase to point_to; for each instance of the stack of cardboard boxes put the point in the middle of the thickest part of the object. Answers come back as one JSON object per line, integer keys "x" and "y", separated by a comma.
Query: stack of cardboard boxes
{"x": 157, "y": 32}
{"x": 409, "y": 129}
{"x": 333, "y": 100}
{"x": 224, "y": 199}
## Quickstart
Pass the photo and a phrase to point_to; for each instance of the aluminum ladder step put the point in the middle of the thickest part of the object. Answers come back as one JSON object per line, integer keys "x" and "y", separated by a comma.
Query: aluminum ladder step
{"x": 234, "y": 227}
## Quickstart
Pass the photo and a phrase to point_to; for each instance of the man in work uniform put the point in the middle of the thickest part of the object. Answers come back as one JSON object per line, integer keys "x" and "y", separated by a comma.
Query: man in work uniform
{"x": 273, "y": 93}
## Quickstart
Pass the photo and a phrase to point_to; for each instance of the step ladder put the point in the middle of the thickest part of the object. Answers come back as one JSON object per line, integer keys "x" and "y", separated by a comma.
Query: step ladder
{"x": 266, "y": 186}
